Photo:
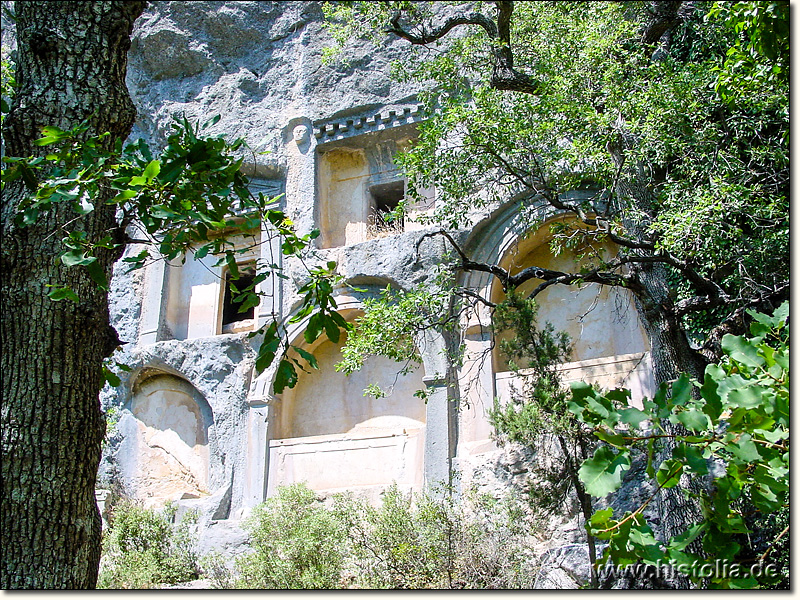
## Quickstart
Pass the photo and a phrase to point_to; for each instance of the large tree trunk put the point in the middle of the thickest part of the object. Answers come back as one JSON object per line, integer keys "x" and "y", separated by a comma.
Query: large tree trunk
{"x": 670, "y": 351}
{"x": 72, "y": 59}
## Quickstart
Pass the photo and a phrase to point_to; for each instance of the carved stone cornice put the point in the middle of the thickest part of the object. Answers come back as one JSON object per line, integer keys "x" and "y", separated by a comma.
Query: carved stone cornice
{"x": 330, "y": 130}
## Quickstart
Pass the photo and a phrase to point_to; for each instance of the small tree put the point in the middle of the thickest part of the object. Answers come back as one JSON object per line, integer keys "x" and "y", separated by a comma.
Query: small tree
{"x": 539, "y": 411}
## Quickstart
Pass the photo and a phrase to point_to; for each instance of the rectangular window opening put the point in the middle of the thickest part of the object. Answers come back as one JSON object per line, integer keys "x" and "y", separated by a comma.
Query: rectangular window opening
{"x": 385, "y": 198}
{"x": 233, "y": 318}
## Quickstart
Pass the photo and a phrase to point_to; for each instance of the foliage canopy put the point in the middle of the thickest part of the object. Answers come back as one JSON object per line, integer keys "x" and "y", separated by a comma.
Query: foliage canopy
{"x": 736, "y": 432}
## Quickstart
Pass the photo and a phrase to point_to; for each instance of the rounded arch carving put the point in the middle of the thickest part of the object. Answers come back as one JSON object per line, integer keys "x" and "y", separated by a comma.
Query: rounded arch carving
{"x": 170, "y": 422}
{"x": 601, "y": 321}
{"x": 324, "y": 431}
{"x": 325, "y": 401}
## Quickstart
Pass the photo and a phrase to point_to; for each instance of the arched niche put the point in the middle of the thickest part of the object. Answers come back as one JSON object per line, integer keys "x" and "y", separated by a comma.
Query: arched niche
{"x": 601, "y": 321}
{"x": 172, "y": 451}
{"x": 326, "y": 401}
{"x": 327, "y": 433}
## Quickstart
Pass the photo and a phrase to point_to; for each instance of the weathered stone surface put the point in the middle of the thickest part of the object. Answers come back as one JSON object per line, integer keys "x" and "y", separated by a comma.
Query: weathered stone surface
{"x": 223, "y": 536}
{"x": 219, "y": 369}
{"x": 564, "y": 568}
{"x": 258, "y": 64}
{"x": 330, "y": 130}
{"x": 125, "y": 301}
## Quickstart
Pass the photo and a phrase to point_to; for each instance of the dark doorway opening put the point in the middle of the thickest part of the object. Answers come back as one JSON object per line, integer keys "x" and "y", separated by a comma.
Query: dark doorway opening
{"x": 233, "y": 300}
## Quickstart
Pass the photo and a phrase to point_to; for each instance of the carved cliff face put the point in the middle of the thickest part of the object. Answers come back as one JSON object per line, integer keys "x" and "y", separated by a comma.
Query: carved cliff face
{"x": 257, "y": 64}
{"x": 331, "y": 132}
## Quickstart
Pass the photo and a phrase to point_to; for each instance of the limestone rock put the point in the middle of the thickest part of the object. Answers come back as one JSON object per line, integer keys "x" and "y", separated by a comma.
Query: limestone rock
{"x": 258, "y": 64}
{"x": 330, "y": 130}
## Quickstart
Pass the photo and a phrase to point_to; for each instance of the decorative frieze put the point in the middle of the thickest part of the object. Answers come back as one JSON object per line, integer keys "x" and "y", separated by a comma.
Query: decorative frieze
{"x": 339, "y": 129}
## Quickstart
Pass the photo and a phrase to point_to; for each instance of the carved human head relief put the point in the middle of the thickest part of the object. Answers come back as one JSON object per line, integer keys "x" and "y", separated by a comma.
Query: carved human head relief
{"x": 300, "y": 134}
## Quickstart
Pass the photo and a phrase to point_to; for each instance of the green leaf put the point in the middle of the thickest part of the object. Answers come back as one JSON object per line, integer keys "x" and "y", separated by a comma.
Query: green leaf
{"x": 600, "y": 518}
{"x": 73, "y": 258}
{"x": 171, "y": 171}
{"x": 123, "y": 196}
{"x": 63, "y": 293}
{"x": 776, "y": 320}
{"x": 340, "y": 321}
{"x": 331, "y": 329}
{"x": 162, "y": 212}
{"x": 669, "y": 473}
{"x": 693, "y": 456}
{"x": 741, "y": 350}
{"x": 682, "y": 390}
{"x": 313, "y": 329}
{"x": 693, "y": 419}
{"x": 267, "y": 351}
{"x": 747, "y": 397}
{"x": 30, "y": 215}
{"x": 610, "y": 437}
{"x": 745, "y": 449}
{"x": 212, "y": 121}
{"x": 54, "y": 131}
{"x": 743, "y": 583}
{"x": 645, "y": 544}
{"x": 310, "y": 358}
{"x": 765, "y": 499}
{"x": 620, "y": 395}
{"x": 233, "y": 267}
{"x": 709, "y": 392}
{"x": 51, "y": 135}
{"x": 632, "y": 416}
{"x": 202, "y": 251}
{"x": 285, "y": 377}
{"x": 681, "y": 541}
{"x": 28, "y": 176}
{"x": 111, "y": 377}
{"x": 98, "y": 275}
{"x": 580, "y": 391}
{"x": 602, "y": 474}
{"x": 773, "y": 435}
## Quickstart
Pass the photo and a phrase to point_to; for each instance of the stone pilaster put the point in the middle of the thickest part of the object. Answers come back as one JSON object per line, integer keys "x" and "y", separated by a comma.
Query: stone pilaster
{"x": 154, "y": 304}
{"x": 257, "y": 454}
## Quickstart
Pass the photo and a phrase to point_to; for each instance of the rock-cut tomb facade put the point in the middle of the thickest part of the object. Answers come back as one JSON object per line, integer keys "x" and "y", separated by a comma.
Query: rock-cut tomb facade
{"x": 195, "y": 423}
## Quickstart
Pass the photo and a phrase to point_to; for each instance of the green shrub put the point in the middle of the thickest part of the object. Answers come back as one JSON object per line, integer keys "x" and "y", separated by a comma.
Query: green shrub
{"x": 734, "y": 431}
{"x": 493, "y": 549}
{"x": 420, "y": 541}
{"x": 297, "y": 543}
{"x": 142, "y": 548}
{"x": 400, "y": 544}
{"x": 437, "y": 541}
{"x": 221, "y": 572}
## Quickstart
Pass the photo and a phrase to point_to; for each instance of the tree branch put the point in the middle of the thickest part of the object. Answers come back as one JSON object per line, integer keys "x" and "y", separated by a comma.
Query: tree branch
{"x": 551, "y": 197}
{"x": 504, "y": 75}
{"x": 664, "y": 17}
{"x": 550, "y": 277}
{"x": 437, "y": 33}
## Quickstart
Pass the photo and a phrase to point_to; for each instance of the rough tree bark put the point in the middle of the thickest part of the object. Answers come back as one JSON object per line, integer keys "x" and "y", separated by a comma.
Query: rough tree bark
{"x": 72, "y": 59}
